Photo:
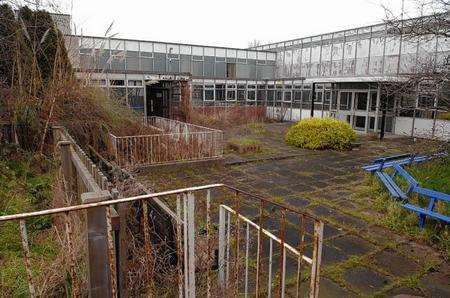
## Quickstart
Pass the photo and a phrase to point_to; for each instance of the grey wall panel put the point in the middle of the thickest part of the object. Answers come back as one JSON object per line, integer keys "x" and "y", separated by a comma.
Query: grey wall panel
{"x": 221, "y": 69}
{"x": 159, "y": 62}
{"x": 197, "y": 68}
{"x": 146, "y": 64}
{"x": 242, "y": 71}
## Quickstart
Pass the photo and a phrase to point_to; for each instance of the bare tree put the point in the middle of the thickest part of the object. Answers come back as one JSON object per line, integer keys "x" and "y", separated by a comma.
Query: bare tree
{"x": 425, "y": 88}
{"x": 254, "y": 43}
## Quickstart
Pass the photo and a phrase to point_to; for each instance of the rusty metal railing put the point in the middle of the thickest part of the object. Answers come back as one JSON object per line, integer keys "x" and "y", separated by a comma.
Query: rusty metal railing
{"x": 177, "y": 142}
{"x": 197, "y": 268}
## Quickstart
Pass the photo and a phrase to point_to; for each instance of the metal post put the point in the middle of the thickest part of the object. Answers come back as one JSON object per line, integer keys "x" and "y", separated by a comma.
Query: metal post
{"x": 269, "y": 283}
{"x": 111, "y": 252}
{"x": 208, "y": 232}
{"x": 99, "y": 272}
{"x": 260, "y": 249}
{"x": 313, "y": 97}
{"x": 148, "y": 248}
{"x": 221, "y": 261}
{"x": 123, "y": 251}
{"x": 71, "y": 259}
{"x": 185, "y": 247}
{"x": 179, "y": 249}
{"x": 26, "y": 257}
{"x": 317, "y": 256}
{"x": 301, "y": 250}
{"x": 282, "y": 252}
{"x": 236, "y": 239}
{"x": 191, "y": 243}
{"x": 247, "y": 238}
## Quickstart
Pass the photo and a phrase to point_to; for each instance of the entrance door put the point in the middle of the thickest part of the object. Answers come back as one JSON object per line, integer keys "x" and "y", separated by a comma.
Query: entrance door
{"x": 157, "y": 101}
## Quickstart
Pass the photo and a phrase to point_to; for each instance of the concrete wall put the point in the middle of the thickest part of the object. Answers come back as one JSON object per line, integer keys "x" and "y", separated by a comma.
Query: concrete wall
{"x": 423, "y": 128}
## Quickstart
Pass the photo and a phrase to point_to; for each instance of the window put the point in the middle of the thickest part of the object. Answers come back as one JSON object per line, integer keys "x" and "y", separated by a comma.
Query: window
{"x": 251, "y": 92}
{"x": 220, "y": 92}
{"x": 231, "y": 71}
{"x": 251, "y": 95}
{"x": 117, "y": 82}
{"x": 136, "y": 99}
{"x": 261, "y": 93}
{"x": 209, "y": 94}
{"x": 287, "y": 96}
{"x": 360, "y": 122}
{"x": 426, "y": 101}
{"x": 327, "y": 97}
{"x": 297, "y": 95}
{"x": 241, "y": 92}
{"x": 346, "y": 100}
{"x": 134, "y": 83}
{"x": 279, "y": 95}
{"x": 373, "y": 101}
{"x": 361, "y": 100}
{"x": 197, "y": 93}
{"x": 231, "y": 92}
{"x": 95, "y": 82}
{"x": 371, "y": 123}
{"x": 306, "y": 95}
{"x": 231, "y": 95}
{"x": 319, "y": 96}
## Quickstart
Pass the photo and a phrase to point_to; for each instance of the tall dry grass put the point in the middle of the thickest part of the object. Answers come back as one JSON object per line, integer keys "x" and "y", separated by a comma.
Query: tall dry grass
{"x": 38, "y": 86}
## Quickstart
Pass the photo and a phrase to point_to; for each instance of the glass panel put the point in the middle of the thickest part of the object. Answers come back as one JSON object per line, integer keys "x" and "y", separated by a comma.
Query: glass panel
{"x": 287, "y": 64}
{"x": 408, "y": 56}
{"x": 345, "y": 101}
{"x": 349, "y": 57}
{"x": 391, "y": 54}
{"x": 251, "y": 95}
{"x": 361, "y": 101}
{"x": 325, "y": 68}
{"x": 279, "y": 65}
{"x": 373, "y": 101}
{"x": 231, "y": 95}
{"x": 376, "y": 55}
{"x": 209, "y": 94}
{"x": 315, "y": 58}
{"x": 136, "y": 99}
{"x": 197, "y": 68}
{"x": 197, "y": 93}
{"x": 296, "y": 62}
{"x": 362, "y": 56}
{"x": 336, "y": 65}
{"x": 360, "y": 122}
{"x": 220, "y": 92}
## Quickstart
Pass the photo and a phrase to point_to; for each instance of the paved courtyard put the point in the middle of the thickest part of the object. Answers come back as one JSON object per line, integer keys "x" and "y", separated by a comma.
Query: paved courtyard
{"x": 360, "y": 258}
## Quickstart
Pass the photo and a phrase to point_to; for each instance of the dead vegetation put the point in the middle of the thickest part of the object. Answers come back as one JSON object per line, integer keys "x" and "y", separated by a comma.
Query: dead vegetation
{"x": 38, "y": 86}
{"x": 223, "y": 117}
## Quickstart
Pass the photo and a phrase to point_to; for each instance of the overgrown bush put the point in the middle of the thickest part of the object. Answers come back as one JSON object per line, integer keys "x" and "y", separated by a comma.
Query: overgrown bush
{"x": 321, "y": 133}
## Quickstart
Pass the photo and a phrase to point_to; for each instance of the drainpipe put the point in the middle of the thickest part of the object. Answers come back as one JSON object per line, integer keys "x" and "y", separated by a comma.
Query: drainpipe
{"x": 383, "y": 117}
{"x": 313, "y": 96}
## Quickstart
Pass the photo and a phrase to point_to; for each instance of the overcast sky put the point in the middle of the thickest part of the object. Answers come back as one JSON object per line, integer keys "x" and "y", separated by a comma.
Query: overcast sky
{"x": 232, "y": 23}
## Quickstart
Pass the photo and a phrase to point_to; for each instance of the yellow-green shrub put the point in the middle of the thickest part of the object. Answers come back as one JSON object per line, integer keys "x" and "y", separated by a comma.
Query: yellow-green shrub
{"x": 321, "y": 133}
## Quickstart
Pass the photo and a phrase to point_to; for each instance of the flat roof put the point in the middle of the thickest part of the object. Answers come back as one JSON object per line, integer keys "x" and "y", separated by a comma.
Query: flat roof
{"x": 171, "y": 43}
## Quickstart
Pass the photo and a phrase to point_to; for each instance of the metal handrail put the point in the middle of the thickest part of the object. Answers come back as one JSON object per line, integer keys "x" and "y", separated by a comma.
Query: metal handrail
{"x": 26, "y": 215}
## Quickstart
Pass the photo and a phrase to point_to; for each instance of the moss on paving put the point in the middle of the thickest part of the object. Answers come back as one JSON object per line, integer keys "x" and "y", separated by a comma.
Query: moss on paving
{"x": 343, "y": 181}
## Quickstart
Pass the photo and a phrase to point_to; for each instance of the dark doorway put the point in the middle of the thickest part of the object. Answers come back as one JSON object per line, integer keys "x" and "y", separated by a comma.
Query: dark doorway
{"x": 157, "y": 100}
